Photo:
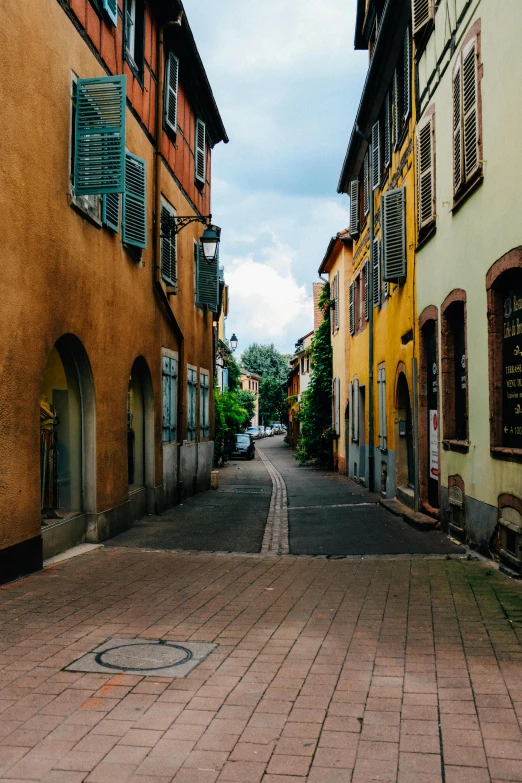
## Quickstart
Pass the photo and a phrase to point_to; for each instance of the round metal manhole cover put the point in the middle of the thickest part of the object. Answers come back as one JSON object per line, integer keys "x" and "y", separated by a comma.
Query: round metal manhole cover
{"x": 144, "y": 657}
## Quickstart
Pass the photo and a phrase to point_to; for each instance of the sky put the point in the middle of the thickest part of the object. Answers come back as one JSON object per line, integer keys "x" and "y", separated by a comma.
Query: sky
{"x": 287, "y": 83}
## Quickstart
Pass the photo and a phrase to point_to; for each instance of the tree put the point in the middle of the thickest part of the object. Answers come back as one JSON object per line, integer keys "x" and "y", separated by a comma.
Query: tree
{"x": 315, "y": 441}
{"x": 231, "y": 415}
{"x": 272, "y": 399}
{"x": 265, "y": 361}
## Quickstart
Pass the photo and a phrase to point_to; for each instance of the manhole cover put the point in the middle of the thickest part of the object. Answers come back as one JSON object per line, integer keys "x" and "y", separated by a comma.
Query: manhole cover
{"x": 144, "y": 656}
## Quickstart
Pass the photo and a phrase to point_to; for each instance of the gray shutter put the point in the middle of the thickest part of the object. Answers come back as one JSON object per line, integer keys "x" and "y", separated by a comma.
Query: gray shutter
{"x": 111, "y": 210}
{"x": 387, "y": 129}
{"x": 376, "y": 266}
{"x": 457, "y": 128}
{"x": 382, "y": 407}
{"x": 366, "y": 278}
{"x": 352, "y": 308}
{"x": 169, "y": 271}
{"x": 207, "y": 277}
{"x": 171, "y": 92}
{"x": 470, "y": 109}
{"x": 393, "y": 216}
{"x": 354, "y": 208}
{"x": 426, "y": 173}
{"x": 135, "y": 202}
{"x": 376, "y": 155}
{"x": 366, "y": 175}
{"x": 169, "y": 370}
{"x": 422, "y": 13}
{"x": 396, "y": 110}
{"x": 407, "y": 75}
{"x": 199, "y": 152}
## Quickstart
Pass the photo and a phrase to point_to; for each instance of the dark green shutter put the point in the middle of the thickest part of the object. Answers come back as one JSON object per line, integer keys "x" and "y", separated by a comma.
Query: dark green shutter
{"x": 99, "y": 154}
{"x": 134, "y": 202}
{"x": 199, "y": 152}
{"x": 111, "y": 9}
{"x": 111, "y": 210}
{"x": 207, "y": 281}
{"x": 169, "y": 270}
{"x": 171, "y": 92}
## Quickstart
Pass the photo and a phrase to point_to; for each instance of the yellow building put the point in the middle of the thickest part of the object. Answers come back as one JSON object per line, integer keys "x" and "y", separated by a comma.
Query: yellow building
{"x": 250, "y": 382}
{"x": 337, "y": 264}
{"x": 378, "y": 175}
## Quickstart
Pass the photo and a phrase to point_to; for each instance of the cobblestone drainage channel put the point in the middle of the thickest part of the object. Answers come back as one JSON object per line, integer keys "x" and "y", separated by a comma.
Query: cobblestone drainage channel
{"x": 146, "y": 657}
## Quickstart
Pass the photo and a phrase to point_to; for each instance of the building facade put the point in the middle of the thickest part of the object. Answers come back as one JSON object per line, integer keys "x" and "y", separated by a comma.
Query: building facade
{"x": 250, "y": 382}
{"x": 107, "y": 348}
{"x": 469, "y": 270}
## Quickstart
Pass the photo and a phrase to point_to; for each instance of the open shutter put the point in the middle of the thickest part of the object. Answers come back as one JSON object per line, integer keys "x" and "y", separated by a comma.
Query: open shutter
{"x": 169, "y": 271}
{"x": 457, "y": 128}
{"x": 426, "y": 173}
{"x": 134, "y": 202}
{"x": 354, "y": 208}
{"x": 171, "y": 92}
{"x": 199, "y": 154}
{"x": 422, "y": 13}
{"x": 207, "y": 277}
{"x": 111, "y": 210}
{"x": 396, "y": 109}
{"x": 470, "y": 109}
{"x": 407, "y": 75}
{"x": 376, "y": 267}
{"x": 394, "y": 234}
{"x": 366, "y": 278}
{"x": 366, "y": 199}
{"x": 111, "y": 9}
{"x": 99, "y": 154}
{"x": 387, "y": 130}
{"x": 352, "y": 308}
{"x": 376, "y": 155}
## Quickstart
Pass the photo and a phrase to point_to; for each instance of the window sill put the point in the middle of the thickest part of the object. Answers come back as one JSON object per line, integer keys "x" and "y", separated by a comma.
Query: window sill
{"x": 453, "y": 444}
{"x": 466, "y": 191}
{"x": 85, "y": 211}
{"x": 426, "y": 233}
{"x": 136, "y": 71}
{"x": 506, "y": 454}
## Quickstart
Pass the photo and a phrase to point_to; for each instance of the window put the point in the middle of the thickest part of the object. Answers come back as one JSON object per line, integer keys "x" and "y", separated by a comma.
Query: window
{"x": 335, "y": 298}
{"x": 171, "y": 92}
{"x": 199, "y": 153}
{"x": 135, "y": 202}
{"x": 135, "y": 34}
{"x": 467, "y": 163}
{"x": 169, "y": 269}
{"x": 454, "y": 367}
{"x": 393, "y": 215}
{"x": 381, "y": 385}
{"x": 204, "y": 404}
{"x": 192, "y": 390}
{"x": 426, "y": 172}
{"x": 170, "y": 398}
{"x": 111, "y": 9}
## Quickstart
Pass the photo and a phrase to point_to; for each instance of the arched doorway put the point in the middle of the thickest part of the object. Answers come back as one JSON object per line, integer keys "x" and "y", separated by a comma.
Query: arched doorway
{"x": 67, "y": 433}
{"x": 140, "y": 438}
{"x": 405, "y": 464}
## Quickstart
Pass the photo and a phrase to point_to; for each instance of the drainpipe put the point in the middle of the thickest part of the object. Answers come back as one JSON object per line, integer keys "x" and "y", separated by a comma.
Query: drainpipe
{"x": 371, "y": 425}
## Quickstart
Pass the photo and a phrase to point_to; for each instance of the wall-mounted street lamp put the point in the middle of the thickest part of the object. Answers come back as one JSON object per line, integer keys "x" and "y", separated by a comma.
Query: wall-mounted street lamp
{"x": 233, "y": 343}
{"x": 173, "y": 224}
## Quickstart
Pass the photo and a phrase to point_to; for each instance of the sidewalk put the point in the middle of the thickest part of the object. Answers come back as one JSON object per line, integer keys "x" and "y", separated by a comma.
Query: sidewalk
{"x": 327, "y": 671}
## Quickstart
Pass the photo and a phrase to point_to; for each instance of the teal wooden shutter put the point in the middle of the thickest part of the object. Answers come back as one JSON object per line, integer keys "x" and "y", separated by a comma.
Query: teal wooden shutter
{"x": 111, "y": 210}
{"x": 169, "y": 270}
{"x": 169, "y": 398}
{"x": 199, "y": 152}
{"x": 394, "y": 234}
{"x": 171, "y": 92}
{"x": 207, "y": 281}
{"x": 111, "y": 9}
{"x": 134, "y": 202}
{"x": 99, "y": 153}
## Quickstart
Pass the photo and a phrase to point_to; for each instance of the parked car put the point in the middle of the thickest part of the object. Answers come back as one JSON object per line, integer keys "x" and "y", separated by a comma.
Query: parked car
{"x": 269, "y": 433}
{"x": 262, "y": 431}
{"x": 254, "y": 432}
{"x": 275, "y": 429}
{"x": 244, "y": 446}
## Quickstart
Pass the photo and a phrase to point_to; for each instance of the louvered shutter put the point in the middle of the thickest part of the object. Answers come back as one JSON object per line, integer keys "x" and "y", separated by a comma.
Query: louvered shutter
{"x": 366, "y": 278}
{"x": 394, "y": 234}
{"x": 426, "y": 173}
{"x": 376, "y": 155}
{"x": 111, "y": 9}
{"x": 337, "y": 300}
{"x": 387, "y": 130}
{"x": 111, "y": 210}
{"x": 407, "y": 75}
{"x": 470, "y": 109}
{"x": 396, "y": 109}
{"x": 332, "y": 309}
{"x": 354, "y": 208}
{"x": 99, "y": 154}
{"x": 352, "y": 308}
{"x": 422, "y": 13}
{"x": 171, "y": 92}
{"x": 199, "y": 154}
{"x": 134, "y": 202}
{"x": 457, "y": 128}
{"x": 366, "y": 199}
{"x": 207, "y": 277}
{"x": 387, "y": 291}
{"x": 169, "y": 271}
{"x": 376, "y": 266}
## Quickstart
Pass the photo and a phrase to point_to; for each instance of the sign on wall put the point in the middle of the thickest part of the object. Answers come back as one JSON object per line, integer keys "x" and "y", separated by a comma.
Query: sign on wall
{"x": 512, "y": 370}
{"x": 434, "y": 445}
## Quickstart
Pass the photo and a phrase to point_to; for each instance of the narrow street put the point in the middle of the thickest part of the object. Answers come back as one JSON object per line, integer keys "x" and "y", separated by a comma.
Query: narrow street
{"x": 402, "y": 665}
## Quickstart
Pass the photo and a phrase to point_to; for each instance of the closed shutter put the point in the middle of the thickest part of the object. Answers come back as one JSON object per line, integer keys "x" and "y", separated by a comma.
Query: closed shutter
{"x": 366, "y": 199}
{"x": 171, "y": 92}
{"x": 352, "y": 308}
{"x": 366, "y": 278}
{"x": 207, "y": 281}
{"x": 387, "y": 130}
{"x": 111, "y": 9}
{"x": 407, "y": 75}
{"x": 376, "y": 155}
{"x": 99, "y": 153}
{"x": 470, "y": 109}
{"x": 135, "y": 202}
{"x": 422, "y": 13}
{"x": 355, "y": 388}
{"x": 457, "y": 128}
{"x": 169, "y": 397}
{"x": 199, "y": 153}
{"x": 376, "y": 266}
{"x": 426, "y": 173}
{"x": 394, "y": 234}
{"x": 354, "y": 208}
{"x": 396, "y": 110}
{"x": 169, "y": 270}
{"x": 111, "y": 210}
{"x": 337, "y": 300}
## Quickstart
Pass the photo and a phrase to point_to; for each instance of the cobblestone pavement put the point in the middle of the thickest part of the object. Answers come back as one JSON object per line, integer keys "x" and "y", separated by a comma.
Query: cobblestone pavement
{"x": 405, "y": 669}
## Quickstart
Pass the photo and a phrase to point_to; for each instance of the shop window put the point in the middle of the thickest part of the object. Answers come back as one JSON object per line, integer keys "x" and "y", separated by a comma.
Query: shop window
{"x": 454, "y": 371}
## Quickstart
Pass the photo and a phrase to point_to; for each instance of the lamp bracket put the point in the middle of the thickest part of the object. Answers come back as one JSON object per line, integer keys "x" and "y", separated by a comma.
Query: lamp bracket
{"x": 173, "y": 224}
